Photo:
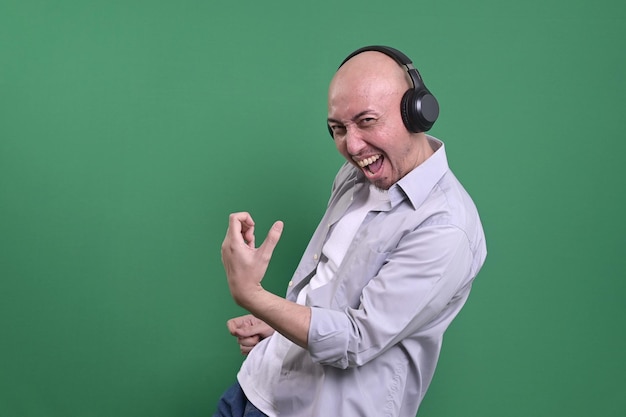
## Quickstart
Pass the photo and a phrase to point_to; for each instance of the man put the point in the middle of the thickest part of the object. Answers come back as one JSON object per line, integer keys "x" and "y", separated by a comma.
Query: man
{"x": 388, "y": 268}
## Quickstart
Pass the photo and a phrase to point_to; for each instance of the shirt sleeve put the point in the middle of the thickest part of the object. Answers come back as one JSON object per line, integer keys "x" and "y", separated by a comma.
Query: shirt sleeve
{"x": 411, "y": 290}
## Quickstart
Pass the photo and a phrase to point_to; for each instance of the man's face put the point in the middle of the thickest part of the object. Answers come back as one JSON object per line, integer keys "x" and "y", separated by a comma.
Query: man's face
{"x": 364, "y": 116}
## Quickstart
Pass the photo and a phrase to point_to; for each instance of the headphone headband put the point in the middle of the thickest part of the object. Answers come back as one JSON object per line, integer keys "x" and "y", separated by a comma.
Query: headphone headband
{"x": 396, "y": 55}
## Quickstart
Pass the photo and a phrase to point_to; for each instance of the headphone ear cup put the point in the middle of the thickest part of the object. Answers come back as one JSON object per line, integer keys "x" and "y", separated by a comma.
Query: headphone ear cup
{"x": 419, "y": 109}
{"x": 404, "y": 111}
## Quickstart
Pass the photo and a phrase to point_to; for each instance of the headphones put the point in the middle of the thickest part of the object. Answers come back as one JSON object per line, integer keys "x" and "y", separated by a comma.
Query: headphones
{"x": 419, "y": 108}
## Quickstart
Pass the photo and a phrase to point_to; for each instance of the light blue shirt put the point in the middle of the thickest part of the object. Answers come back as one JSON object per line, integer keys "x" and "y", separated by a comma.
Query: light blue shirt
{"x": 377, "y": 327}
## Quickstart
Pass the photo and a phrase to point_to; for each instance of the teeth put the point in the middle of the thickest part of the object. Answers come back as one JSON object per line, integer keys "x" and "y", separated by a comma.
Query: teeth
{"x": 368, "y": 161}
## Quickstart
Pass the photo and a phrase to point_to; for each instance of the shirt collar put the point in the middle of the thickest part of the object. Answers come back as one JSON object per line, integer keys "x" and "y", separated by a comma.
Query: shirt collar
{"x": 417, "y": 184}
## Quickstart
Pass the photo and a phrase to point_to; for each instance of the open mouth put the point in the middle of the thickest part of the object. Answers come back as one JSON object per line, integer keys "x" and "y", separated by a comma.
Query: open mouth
{"x": 372, "y": 165}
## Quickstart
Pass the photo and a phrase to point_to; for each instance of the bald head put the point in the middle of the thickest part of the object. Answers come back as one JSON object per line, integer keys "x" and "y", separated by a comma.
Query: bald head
{"x": 367, "y": 71}
{"x": 370, "y": 80}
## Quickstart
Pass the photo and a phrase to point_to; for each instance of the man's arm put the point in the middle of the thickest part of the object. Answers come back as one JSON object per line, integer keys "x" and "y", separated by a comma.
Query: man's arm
{"x": 245, "y": 267}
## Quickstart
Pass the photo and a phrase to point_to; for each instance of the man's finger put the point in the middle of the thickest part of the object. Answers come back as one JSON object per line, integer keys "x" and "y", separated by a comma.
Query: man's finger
{"x": 240, "y": 228}
{"x": 240, "y": 221}
{"x": 270, "y": 242}
{"x": 249, "y": 341}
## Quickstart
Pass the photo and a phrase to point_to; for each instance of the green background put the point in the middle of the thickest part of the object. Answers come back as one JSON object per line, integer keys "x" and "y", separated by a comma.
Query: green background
{"x": 129, "y": 130}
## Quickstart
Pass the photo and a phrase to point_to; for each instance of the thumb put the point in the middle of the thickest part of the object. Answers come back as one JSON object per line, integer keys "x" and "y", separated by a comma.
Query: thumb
{"x": 270, "y": 242}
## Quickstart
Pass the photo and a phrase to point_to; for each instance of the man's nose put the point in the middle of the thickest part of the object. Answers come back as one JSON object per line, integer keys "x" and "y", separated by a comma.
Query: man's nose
{"x": 354, "y": 140}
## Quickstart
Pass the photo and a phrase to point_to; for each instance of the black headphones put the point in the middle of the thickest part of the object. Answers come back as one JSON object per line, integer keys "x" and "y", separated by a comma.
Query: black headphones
{"x": 419, "y": 108}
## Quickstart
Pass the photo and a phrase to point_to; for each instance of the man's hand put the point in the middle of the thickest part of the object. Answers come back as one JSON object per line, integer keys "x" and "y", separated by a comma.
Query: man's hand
{"x": 249, "y": 331}
{"x": 246, "y": 265}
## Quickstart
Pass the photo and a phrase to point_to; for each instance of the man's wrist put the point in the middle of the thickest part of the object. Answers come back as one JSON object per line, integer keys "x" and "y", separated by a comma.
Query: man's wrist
{"x": 247, "y": 297}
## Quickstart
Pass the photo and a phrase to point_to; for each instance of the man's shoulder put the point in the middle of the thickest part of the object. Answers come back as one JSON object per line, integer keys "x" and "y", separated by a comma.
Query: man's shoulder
{"x": 347, "y": 173}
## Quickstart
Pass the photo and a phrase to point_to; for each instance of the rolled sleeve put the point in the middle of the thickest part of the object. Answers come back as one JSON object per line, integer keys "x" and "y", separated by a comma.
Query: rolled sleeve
{"x": 328, "y": 338}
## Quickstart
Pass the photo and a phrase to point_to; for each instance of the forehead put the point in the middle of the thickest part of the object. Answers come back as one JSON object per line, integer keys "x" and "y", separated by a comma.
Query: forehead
{"x": 347, "y": 97}
{"x": 370, "y": 79}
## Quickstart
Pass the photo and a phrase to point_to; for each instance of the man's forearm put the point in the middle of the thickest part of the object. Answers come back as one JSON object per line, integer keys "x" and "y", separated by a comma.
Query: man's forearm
{"x": 290, "y": 319}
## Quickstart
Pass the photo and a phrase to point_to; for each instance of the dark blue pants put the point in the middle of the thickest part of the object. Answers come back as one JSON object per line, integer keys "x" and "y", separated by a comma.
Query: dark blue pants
{"x": 234, "y": 403}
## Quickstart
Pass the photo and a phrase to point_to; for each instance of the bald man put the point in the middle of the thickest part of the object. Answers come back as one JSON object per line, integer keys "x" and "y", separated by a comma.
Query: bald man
{"x": 386, "y": 271}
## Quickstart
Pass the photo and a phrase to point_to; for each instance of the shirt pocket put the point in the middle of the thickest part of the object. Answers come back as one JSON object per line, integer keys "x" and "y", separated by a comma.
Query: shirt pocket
{"x": 358, "y": 268}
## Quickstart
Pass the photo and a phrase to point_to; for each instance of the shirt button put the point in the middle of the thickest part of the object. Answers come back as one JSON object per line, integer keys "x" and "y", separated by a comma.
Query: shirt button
{"x": 290, "y": 283}
{"x": 315, "y": 256}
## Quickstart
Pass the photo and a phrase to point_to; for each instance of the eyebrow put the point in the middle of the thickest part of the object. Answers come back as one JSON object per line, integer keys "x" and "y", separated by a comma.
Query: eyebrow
{"x": 355, "y": 117}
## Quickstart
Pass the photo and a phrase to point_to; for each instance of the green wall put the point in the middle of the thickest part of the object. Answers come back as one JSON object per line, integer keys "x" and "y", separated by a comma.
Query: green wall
{"x": 130, "y": 129}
